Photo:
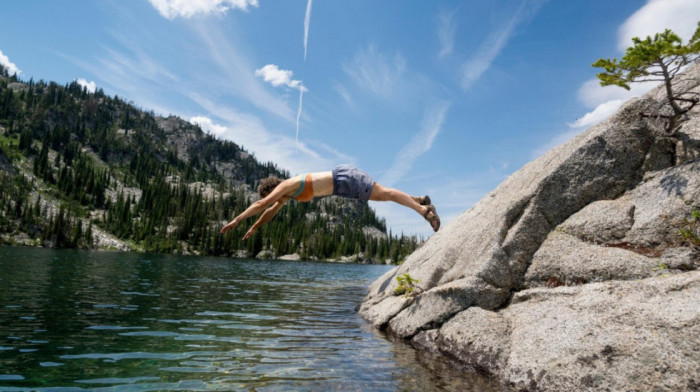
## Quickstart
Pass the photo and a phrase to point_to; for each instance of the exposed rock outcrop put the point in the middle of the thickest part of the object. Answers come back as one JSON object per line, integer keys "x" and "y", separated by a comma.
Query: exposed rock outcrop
{"x": 599, "y": 215}
{"x": 5, "y": 164}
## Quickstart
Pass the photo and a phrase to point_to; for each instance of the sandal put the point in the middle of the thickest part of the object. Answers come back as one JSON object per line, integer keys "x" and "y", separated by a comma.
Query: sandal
{"x": 424, "y": 200}
{"x": 432, "y": 219}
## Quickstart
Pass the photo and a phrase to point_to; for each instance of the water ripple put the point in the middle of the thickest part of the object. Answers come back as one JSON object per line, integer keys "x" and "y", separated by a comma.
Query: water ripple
{"x": 77, "y": 321}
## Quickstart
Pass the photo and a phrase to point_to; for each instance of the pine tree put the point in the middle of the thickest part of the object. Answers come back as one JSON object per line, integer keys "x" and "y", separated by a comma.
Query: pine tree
{"x": 655, "y": 59}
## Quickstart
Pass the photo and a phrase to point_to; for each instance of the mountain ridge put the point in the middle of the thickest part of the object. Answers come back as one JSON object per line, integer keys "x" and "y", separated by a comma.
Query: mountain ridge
{"x": 75, "y": 164}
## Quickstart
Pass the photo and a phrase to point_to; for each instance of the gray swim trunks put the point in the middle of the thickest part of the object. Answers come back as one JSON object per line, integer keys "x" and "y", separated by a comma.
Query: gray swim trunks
{"x": 351, "y": 182}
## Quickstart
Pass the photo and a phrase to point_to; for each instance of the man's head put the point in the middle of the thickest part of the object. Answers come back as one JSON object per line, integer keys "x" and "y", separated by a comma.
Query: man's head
{"x": 267, "y": 185}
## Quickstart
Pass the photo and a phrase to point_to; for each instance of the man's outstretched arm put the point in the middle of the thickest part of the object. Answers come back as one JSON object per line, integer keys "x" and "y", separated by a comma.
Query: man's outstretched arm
{"x": 285, "y": 187}
{"x": 266, "y": 216}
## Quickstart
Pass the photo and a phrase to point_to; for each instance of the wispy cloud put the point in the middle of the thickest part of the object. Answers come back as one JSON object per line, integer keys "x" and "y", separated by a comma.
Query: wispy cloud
{"x": 280, "y": 77}
{"x": 447, "y": 27}
{"x": 135, "y": 64}
{"x": 171, "y": 9}
{"x": 223, "y": 71}
{"x": 420, "y": 143}
{"x": 307, "y": 22}
{"x": 131, "y": 73}
{"x": 250, "y": 132}
{"x": 473, "y": 68}
{"x": 376, "y": 72}
{"x": 235, "y": 72}
{"x": 655, "y": 16}
{"x": 9, "y": 65}
{"x": 343, "y": 92}
{"x": 90, "y": 86}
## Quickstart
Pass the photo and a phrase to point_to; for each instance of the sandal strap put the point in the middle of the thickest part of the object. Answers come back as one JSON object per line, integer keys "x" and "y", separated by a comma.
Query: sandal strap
{"x": 434, "y": 218}
{"x": 431, "y": 208}
{"x": 428, "y": 211}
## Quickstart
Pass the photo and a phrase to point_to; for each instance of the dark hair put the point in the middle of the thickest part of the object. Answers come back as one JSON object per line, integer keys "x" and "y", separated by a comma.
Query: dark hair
{"x": 267, "y": 185}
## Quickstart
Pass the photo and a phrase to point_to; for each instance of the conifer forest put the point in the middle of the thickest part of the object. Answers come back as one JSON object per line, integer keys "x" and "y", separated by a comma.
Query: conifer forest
{"x": 78, "y": 167}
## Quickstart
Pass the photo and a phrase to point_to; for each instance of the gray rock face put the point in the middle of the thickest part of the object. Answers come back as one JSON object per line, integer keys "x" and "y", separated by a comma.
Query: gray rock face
{"x": 626, "y": 238}
{"x": 593, "y": 339}
{"x": 599, "y": 215}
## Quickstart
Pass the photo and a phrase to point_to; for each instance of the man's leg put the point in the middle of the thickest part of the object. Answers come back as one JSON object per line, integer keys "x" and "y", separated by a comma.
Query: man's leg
{"x": 381, "y": 193}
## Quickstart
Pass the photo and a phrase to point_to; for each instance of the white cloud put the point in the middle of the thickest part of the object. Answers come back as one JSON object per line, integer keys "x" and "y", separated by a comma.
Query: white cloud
{"x": 307, "y": 22}
{"x": 237, "y": 73}
{"x": 279, "y": 77}
{"x": 601, "y": 112}
{"x": 208, "y": 125}
{"x": 420, "y": 143}
{"x": 172, "y": 9}
{"x": 249, "y": 131}
{"x": 90, "y": 86}
{"x": 376, "y": 72}
{"x": 592, "y": 94}
{"x": 491, "y": 48}
{"x": 9, "y": 65}
{"x": 655, "y": 16}
{"x": 447, "y": 28}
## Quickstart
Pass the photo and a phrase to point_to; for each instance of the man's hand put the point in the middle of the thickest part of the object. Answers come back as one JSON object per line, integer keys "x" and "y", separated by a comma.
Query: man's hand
{"x": 229, "y": 226}
{"x": 250, "y": 232}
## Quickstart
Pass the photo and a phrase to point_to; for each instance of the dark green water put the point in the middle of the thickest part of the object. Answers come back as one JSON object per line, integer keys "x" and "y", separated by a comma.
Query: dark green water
{"x": 73, "y": 321}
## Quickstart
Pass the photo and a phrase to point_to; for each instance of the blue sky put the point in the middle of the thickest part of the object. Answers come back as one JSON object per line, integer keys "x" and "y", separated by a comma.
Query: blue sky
{"x": 445, "y": 98}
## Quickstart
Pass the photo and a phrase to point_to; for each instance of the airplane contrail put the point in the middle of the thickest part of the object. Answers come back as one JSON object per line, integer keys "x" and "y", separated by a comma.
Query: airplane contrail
{"x": 307, "y": 22}
{"x": 301, "y": 95}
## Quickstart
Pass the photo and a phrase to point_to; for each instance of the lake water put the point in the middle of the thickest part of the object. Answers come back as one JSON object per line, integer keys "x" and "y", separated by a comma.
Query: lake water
{"x": 76, "y": 320}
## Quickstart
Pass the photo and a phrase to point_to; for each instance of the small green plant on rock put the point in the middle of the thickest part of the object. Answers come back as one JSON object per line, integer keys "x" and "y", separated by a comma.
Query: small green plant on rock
{"x": 406, "y": 285}
{"x": 690, "y": 232}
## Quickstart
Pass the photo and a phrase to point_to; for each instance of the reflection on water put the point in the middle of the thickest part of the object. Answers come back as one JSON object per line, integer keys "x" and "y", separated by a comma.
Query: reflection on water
{"x": 132, "y": 322}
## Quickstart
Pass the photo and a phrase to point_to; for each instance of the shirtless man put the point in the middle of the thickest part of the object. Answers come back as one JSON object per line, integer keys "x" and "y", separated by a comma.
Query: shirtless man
{"x": 344, "y": 180}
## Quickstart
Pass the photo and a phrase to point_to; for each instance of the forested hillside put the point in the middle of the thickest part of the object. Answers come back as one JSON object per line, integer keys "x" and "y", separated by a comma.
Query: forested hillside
{"x": 85, "y": 170}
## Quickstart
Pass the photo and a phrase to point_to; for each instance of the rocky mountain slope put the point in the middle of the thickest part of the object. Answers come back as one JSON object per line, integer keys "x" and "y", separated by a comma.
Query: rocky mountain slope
{"x": 578, "y": 272}
{"x": 86, "y": 170}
